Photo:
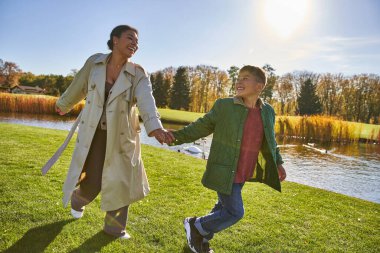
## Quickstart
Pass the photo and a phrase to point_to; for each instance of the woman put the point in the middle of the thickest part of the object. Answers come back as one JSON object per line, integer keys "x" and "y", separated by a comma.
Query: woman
{"x": 107, "y": 154}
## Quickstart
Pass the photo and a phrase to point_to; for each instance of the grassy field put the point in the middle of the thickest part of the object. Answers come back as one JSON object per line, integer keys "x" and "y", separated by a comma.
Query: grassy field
{"x": 179, "y": 117}
{"x": 301, "y": 219}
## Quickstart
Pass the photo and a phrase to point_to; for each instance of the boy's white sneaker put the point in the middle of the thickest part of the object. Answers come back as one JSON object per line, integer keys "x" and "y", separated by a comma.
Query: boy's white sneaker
{"x": 76, "y": 214}
{"x": 194, "y": 238}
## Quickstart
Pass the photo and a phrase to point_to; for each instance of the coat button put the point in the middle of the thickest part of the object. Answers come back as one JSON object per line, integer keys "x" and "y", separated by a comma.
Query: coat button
{"x": 88, "y": 102}
{"x": 238, "y": 140}
{"x": 82, "y": 122}
{"x": 121, "y": 133}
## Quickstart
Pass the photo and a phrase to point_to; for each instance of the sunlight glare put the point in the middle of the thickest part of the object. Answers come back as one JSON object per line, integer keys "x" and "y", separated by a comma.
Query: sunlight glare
{"x": 285, "y": 16}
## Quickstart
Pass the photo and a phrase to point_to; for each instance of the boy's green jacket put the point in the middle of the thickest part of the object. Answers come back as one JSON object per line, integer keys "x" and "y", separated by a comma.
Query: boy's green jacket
{"x": 226, "y": 121}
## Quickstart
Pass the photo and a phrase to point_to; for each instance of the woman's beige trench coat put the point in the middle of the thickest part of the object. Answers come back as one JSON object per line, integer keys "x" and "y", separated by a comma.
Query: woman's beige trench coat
{"x": 124, "y": 179}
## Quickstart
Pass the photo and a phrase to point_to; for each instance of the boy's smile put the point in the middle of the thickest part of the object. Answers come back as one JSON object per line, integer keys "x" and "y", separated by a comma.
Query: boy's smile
{"x": 247, "y": 85}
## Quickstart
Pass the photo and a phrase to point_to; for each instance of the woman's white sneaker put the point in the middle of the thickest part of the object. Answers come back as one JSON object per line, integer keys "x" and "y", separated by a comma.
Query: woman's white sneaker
{"x": 76, "y": 214}
{"x": 126, "y": 236}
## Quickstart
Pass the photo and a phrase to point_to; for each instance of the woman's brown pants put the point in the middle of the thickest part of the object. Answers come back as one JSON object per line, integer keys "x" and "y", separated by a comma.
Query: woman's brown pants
{"x": 90, "y": 186}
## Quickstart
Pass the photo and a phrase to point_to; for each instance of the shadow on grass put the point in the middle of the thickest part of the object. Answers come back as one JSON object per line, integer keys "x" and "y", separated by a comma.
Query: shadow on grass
{"x": 95, "y": 243}
{"x": 186, "y": 249}
{"x": 38, "y": 238}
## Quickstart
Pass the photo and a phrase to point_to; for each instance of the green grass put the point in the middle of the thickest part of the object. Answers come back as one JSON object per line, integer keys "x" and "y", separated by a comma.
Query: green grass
{"x": 179, "y": 117}
{"x": 301, "y": 219}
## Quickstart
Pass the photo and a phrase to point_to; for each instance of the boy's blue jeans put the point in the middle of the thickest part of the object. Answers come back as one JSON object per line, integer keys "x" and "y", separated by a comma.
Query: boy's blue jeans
{"x": 227, "y": 211}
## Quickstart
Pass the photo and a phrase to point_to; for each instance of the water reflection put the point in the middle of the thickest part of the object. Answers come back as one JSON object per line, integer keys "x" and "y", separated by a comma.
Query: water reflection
{"x": 352, "y": 169}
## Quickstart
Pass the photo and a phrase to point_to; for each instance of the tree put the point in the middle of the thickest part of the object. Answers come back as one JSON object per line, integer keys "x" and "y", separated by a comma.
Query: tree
{"x": 60, "y": 84}
{"x": 180, "y": 91}
{"x": 284, "y": 91}
{"x": 160, "y": 92}
{"x": 308, "y": 101}
{"x": 329, "y": 91}
{"x": 2, "y": 76}
{"x": 27, "y": 79}
{"x": 9, "y": 73}
{"x": 373, "y": 100}
{"x": 267, "y": 93}
{"x": 233, "y": 73}
{"x": 166, "y": 88}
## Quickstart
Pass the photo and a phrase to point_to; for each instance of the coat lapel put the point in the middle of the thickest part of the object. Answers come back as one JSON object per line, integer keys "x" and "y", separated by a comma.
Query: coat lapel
{"x": 123, "y": 82}
{"x": 99, "y": 75}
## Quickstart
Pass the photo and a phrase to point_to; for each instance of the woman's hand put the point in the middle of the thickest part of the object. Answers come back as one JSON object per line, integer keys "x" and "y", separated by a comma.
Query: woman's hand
{"x": 162, "y": 136}
{"x": 59, "y": 111}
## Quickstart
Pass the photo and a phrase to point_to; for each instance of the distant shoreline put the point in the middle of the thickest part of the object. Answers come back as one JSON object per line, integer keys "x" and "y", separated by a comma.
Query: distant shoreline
{"x": 322, "y": 129}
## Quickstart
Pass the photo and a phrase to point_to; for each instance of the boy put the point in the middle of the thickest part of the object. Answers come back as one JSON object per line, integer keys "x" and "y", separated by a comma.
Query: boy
{"x": 243, "y": 149}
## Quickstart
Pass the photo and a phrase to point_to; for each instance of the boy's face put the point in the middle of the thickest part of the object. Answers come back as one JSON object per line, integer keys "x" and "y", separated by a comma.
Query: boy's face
{"x": 247, "y": 85}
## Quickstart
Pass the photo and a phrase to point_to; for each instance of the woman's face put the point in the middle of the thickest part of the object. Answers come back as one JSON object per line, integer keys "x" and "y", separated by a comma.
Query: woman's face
{"x": 127, "y": 44}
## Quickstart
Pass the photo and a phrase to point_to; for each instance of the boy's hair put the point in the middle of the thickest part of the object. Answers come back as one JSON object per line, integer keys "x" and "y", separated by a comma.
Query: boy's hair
{"x": 257, "y": 72}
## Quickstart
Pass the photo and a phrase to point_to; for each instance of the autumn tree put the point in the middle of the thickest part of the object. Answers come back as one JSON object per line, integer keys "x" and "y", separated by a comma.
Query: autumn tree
{"x": 267, "y": 93}
{"x": 9, "y": 74}
{"x": 284, "y": 92}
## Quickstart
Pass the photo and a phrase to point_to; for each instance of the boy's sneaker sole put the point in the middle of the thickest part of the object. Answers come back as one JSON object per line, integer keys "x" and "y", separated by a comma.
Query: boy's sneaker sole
{"x": 186, "y": 224}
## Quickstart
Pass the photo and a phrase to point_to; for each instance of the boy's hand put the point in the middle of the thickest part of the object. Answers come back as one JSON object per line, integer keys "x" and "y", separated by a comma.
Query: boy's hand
{"x": 281, "y": 173}
{"x": 169, "y": 138}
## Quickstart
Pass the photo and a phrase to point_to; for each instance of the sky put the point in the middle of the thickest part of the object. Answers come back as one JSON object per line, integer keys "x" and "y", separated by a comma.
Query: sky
{"x": 334, "y": 36}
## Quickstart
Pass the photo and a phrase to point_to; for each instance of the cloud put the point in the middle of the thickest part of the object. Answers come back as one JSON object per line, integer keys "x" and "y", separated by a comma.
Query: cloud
{"x": 338, "y": 49}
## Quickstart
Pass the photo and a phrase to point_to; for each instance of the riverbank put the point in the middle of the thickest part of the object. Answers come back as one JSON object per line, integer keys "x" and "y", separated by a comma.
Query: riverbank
{"x": 301, "y": 219}
{"x": 352, "y": 169}
{"x": 321, "y": 129}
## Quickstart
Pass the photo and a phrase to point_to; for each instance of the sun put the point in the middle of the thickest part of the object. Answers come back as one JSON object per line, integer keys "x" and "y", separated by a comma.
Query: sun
{"x": 285, "y": 17}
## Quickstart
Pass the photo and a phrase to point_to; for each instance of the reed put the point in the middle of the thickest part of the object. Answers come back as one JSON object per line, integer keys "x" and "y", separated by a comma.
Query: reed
{"x": 323, "y": 129}
{"x": 36, "y": 104}
{"x": 307, "y": 128}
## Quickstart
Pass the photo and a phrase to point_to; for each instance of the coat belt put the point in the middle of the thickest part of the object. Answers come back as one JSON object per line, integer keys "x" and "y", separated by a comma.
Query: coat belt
{"x": 60, "y": 150}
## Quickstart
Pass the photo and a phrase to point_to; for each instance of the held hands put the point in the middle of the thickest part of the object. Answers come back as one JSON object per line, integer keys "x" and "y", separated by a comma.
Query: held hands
{"x": 162, "y": 136}
{"x": 281, "y": 172}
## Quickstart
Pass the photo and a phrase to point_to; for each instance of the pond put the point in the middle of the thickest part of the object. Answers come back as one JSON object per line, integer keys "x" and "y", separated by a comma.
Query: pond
{"x": 351, "y": 169}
